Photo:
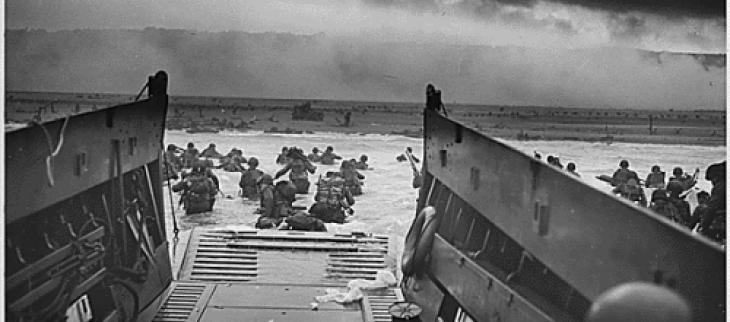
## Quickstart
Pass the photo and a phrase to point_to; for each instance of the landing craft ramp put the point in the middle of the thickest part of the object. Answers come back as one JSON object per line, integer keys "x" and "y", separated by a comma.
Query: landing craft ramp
{"x": 519, "y": 240}
{"x": 263, "y": 275}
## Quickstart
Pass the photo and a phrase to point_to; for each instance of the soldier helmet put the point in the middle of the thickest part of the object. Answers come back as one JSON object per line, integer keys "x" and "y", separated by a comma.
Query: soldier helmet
{"x": 623, "y": 164}
{"x": 677, "y": 171}
{"x": 363, "y": 158}
{"x": 655, "y": 168}
{"x": 639, "y": 301}
{"x": 716, "y": 171}
{"x": 315, "y": 149}
{"x": 191, "y": 145}
{"x": 295, "y": 153}
{"x": 253, "y": 162}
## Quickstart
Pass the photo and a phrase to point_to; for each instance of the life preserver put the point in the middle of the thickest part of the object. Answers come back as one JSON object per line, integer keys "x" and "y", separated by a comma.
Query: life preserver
{"x": 419, "y": 240}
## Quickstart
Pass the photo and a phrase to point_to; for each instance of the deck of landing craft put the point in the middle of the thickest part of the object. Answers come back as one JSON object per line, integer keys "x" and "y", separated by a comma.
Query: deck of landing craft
{"x": 275, "y": 275}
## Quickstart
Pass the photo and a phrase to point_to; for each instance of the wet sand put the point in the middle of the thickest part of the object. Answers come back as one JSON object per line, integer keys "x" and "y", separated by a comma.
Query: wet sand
{"x": 528, "y": 123}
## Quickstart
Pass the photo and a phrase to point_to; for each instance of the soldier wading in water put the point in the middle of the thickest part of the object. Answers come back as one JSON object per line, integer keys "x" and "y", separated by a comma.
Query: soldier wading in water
{"x": 198, "y": 191}
{"x": 332, "y": 199}
{"x": 299, "y": 166}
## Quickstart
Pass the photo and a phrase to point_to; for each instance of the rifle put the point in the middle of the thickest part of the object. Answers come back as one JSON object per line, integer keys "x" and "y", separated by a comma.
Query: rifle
{"x": 409, "y": 152}
{"x": 412, "y": 159}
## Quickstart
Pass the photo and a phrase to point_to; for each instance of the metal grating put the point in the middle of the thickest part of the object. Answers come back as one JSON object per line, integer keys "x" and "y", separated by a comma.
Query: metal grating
{"x": 270, "y": 256}
{"x": 352, "y": 265}
{"x": 215, "y": 261}
{"x": 180, "y": 303}
{"x": 380, "y": 301}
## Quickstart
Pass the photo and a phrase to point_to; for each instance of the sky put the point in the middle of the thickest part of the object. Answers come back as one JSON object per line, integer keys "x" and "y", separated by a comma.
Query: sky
{"x": 661, "y": 25}
{"x": 577, "y": 53}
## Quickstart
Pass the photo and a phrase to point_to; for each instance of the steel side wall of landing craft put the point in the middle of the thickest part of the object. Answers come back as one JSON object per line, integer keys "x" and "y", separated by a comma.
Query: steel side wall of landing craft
{"x": 589, "y": 238}
{"x": 139, "y": 126}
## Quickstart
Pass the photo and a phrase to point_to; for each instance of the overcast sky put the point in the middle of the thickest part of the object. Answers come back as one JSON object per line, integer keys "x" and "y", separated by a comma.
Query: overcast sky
{"x": 662, "y": 25}
{"x": 530, "y": 52}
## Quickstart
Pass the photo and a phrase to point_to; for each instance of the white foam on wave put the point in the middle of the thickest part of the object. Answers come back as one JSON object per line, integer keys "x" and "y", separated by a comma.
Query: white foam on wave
{"x": 315, "y": 134}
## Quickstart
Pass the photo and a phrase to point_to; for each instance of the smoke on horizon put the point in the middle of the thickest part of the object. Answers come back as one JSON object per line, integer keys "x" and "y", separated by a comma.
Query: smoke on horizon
{"x": 284, "y": 65}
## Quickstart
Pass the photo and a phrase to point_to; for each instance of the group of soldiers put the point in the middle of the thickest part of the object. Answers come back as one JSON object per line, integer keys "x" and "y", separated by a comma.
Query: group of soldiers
{"x": 334, "y": 197}
{"x": 199, "y": 186}
{"x": 555, "y": 161}
{"x": 332, "y": 201}
{"x": 668, "y": 198}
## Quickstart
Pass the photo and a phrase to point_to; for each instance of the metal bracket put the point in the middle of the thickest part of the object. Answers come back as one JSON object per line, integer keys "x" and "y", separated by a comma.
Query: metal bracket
{"x": 132, "y": 145}
{"x": 49, "y": 244}
{"x": 474, "y": 178}
{"x": 81, "y": 164}
{"x": 68, "y": 225}
{"x": 20, "y": 256}
{"x": 512, "y": 275}
{"x": 484, "y": 245}
{"x": 541, "y": 218}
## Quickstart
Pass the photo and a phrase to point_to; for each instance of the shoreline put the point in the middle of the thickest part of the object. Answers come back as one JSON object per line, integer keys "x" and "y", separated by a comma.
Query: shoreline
{"x": 300, "y": 117}
{"x": 546, "y": 138}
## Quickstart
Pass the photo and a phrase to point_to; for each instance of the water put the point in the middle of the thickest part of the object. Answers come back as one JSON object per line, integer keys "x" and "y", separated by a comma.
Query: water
{"x": 387, "y": 205}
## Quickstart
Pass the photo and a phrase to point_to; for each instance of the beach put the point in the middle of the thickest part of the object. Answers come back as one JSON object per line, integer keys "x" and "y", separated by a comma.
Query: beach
{"x": 526, "y": 123}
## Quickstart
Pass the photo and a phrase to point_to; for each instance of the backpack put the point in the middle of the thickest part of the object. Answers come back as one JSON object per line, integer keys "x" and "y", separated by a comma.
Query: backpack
{"x": 199, "y": 185}
{"x": 330, "y": 191}
{"x": 250, "y": 177}
{"x": 301, "y": 221}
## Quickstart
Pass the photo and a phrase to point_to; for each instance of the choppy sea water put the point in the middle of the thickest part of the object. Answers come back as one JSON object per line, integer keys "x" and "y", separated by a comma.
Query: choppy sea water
{"x": 388, "y": 202}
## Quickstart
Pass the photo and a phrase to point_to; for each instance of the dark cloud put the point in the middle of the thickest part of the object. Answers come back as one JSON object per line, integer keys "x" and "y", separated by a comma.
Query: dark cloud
{"x": 670, "y": 8}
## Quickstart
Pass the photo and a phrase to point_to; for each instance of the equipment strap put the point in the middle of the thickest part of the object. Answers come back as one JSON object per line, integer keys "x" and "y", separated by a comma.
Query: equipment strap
{"x": 175, "y": 229}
